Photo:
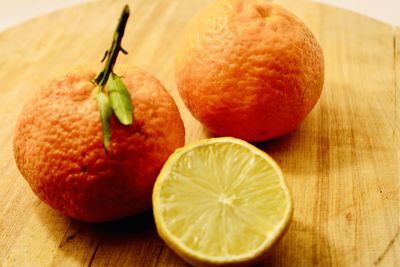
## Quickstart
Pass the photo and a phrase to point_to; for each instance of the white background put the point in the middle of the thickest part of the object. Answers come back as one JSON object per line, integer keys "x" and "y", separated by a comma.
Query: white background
{"x": 13, "y": 12}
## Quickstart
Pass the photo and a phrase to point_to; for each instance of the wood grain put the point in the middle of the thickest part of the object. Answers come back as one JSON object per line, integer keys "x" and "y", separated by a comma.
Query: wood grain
{"x": 342, "y": 163}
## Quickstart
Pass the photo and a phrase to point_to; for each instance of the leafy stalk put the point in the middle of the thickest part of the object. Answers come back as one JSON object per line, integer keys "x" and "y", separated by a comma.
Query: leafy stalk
{"x": 117, "y": 100}
{"x": 112, "y": 54}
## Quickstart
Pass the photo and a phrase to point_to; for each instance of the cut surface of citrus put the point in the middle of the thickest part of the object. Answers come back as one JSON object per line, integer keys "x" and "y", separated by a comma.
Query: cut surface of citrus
{"x": 221, "y": 201}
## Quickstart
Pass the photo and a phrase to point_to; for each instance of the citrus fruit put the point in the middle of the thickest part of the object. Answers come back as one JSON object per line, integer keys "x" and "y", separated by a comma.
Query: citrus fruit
{"x": 249, "y": 69}
{"x": 58, "y": 145}
{"x": 221, "y": 202}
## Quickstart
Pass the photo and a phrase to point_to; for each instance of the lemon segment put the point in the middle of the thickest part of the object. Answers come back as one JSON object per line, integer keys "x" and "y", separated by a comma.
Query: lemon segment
{"x": 220, "y": 201}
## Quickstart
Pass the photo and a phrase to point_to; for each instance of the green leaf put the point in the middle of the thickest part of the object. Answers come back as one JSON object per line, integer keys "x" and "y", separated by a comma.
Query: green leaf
{"x": 105, "y": 115}
{"x": 120, "y": 99}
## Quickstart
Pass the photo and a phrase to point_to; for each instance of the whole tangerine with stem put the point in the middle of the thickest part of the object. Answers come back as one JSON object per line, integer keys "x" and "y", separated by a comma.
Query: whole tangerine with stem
{"x": 249, "y": 69}
{"x": 91, "y": 146}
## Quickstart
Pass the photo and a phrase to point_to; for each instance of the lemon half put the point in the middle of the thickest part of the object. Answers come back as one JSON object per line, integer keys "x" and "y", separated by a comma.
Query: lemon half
{"x": 221, "y": 201}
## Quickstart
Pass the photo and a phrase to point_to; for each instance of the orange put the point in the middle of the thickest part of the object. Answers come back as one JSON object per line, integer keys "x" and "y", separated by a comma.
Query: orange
{"x": 59, "y": 151}
{"x": 249, "y": 69}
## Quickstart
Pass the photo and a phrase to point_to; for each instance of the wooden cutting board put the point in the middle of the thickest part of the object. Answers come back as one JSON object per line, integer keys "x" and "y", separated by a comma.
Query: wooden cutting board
{"x": 342, "y": 163}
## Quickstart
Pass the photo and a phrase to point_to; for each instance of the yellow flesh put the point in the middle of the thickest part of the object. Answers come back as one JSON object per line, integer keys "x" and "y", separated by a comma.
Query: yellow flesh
{"x": 223, "y": 200}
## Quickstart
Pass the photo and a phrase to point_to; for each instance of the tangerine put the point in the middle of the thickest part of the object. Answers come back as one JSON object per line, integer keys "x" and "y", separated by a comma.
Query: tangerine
{"x": 249, "y": 69}
{"x": 58, "y": 145}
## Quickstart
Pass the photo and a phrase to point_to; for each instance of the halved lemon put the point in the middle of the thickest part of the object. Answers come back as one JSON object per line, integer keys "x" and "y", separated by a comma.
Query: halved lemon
{"x": 221, "y": 201}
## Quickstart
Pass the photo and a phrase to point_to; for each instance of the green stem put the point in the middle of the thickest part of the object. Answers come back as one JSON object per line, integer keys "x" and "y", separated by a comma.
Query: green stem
{"x": 112, "y": 54}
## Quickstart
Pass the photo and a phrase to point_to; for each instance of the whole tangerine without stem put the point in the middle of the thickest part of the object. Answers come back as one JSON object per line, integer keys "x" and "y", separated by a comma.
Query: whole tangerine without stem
{"x": 249, "y": 69}
{"x": 58, "y": 145}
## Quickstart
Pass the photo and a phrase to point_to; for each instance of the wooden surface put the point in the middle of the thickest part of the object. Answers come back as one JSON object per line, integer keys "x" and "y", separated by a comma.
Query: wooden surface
{"x": 342, "y": 163}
